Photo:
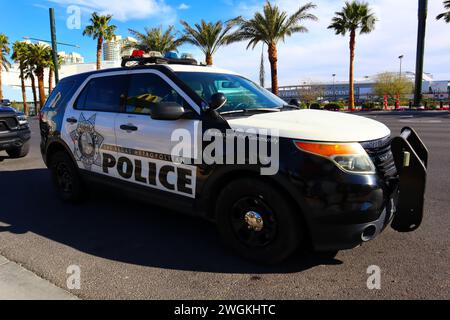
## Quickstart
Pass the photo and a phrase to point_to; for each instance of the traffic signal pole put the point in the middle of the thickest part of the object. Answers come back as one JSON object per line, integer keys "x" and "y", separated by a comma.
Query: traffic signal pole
{"x": 54, "y": 44}
{"x": 423, "y": 11}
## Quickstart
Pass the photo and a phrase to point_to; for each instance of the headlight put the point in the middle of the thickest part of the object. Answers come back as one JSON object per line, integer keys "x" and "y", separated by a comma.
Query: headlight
{"x": 22, "y": 120}
{"x": 349, "y": 157}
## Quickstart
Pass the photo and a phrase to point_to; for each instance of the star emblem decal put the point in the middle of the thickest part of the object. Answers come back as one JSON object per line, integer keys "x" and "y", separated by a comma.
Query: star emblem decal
{"x": 87, "y": 142}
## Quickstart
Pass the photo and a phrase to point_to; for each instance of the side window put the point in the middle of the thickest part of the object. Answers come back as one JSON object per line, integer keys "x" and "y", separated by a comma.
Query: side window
{"x": 103, "y": 94}
{"x": 59, "y": 94}
{"x": 146, "y": 90}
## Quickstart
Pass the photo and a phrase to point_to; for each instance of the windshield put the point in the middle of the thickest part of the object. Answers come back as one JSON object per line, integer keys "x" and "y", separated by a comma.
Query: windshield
{"x": 241, "y": 94}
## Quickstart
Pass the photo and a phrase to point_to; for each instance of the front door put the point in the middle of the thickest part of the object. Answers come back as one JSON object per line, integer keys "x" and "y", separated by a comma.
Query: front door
{"x": 145, "y": 145}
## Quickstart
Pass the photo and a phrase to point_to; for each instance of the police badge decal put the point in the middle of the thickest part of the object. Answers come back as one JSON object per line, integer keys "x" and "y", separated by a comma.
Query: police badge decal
{"x": 87, "y": 142}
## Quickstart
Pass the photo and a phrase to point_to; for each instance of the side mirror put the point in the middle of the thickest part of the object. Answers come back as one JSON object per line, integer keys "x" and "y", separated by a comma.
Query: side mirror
{"x": 167, "y": 111}
{"x": 218, "y": 100}
{"x": 295, "y": 102}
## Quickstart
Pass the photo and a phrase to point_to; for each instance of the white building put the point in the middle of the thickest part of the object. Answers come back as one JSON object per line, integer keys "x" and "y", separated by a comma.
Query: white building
{"x": 71, "y": 57}
{"x": 114, "y": 50}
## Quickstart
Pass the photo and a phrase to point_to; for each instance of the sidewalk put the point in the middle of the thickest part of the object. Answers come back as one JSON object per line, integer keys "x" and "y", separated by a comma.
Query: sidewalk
{"x": 16, "y": 283}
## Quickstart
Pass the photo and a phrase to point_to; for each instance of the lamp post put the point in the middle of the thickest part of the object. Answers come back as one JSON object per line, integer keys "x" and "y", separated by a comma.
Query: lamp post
{"x": 423, "y": 11}
{"x": 401, "y": 60}
{"x": 334, "y": 86}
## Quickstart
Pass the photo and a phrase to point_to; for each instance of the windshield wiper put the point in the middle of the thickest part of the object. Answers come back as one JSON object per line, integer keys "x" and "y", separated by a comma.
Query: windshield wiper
{"x": 250, "y": 111}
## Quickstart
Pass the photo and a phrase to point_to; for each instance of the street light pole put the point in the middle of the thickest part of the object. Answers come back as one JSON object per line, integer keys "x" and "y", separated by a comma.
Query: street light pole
{"x": 54, "y": 44}
{"x": 401, "y": 60}
{"x": 334, "y": 86}
{"x": 423, "y": 11}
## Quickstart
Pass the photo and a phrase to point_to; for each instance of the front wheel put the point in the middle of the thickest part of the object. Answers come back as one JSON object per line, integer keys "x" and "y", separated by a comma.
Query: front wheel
{"x": 66, "y": 178}
{"x": 19, "y": 152}
{"x": 258, "y": 222}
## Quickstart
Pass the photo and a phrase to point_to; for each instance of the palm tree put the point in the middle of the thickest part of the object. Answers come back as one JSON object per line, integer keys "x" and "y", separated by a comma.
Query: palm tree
{"x": 354, "y": 16}
{"x": 29, "y": 74}
{"x": 269, "y": 27}
{"x": 20, "y": 56}
{"x": 100, "y": 30}
{"x": 40, "y": 59}
{"x": 51, "y": 72}
{"x": 155, "y": 39}
{"x": 445, "y": 15}
{"x": 208, "y": 36}
{"x": 4, "y": 63}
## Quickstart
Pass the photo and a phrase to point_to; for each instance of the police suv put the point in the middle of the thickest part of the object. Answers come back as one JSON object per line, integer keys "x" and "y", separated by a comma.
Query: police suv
{"x": 211, "y": 143}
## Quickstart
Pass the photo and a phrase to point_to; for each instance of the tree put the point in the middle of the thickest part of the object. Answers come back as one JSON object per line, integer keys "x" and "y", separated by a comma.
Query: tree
{"x": 29, "y": 74}
{"x": 354, "y": 16}
{"x": 208, "y": 36}
{"x": 100, "y": 30}
{"x": 269, "y": 27}
{"x": 311, "y": 93}
{"x": 155, "y": 39}
{"x": 4, "y": 63}
{"x": 20, "y": 56}
{"x": 40, "y": 58}
{"x": 445, "y": 15}
{"x": 262, "y": 70}
{"x": 392, "y": 85}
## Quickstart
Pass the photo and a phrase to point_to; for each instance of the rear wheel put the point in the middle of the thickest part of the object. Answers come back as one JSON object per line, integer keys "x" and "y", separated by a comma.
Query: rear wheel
{"x": 258, "y": 222}
{"x": 19, "y": 152}
{"x": 66, "y": 178}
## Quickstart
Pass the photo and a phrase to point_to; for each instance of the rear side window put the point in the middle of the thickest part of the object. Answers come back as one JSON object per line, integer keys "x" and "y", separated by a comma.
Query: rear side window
{"x": 103, "y": 94}
{"x": 59, "y": 94}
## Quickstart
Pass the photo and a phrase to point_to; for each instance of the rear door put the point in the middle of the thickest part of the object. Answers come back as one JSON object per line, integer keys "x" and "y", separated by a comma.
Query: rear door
{"x": 89, "y": 120}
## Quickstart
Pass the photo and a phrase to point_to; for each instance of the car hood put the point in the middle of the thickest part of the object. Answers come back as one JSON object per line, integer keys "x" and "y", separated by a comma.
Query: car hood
{"x": 315, "y": 125}
{"x": 4, "y": 109}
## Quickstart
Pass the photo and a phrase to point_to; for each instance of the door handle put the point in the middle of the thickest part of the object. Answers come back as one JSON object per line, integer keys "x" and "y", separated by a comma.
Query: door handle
{"x": 128, "y": 127}
{"x": 71, "y": 120}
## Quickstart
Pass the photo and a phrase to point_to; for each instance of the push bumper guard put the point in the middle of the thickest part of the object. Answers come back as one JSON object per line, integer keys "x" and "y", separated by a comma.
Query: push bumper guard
{"x": 411, "y": 160}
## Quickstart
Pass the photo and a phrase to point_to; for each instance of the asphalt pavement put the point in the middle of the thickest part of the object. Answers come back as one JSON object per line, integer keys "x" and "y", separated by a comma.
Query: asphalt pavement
{"x": 131, "y": 250}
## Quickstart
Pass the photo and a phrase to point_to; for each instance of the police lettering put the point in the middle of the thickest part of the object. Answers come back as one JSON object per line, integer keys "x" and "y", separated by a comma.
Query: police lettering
{"x": 128, "y": 169}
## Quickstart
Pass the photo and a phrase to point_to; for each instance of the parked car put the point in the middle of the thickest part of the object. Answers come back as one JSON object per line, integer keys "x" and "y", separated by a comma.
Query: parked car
{"x": 341, "y": 179}
{"x": 14, "y": 132}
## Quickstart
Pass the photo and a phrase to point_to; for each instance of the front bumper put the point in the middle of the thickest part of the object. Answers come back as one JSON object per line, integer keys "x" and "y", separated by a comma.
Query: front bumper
{"x": 345, "y": 210}
{"x": 14, "y": 139}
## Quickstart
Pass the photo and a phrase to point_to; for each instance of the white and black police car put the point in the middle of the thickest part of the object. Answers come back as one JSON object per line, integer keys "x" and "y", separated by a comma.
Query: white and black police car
{"x": 332, "y": 181}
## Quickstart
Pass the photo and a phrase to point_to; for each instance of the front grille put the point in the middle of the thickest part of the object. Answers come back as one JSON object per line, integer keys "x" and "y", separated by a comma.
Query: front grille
{"x": 7, "y": 124}
{"x": 380, "y": 153}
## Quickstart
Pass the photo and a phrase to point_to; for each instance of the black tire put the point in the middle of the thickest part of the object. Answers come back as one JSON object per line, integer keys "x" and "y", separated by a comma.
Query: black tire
{"x": 66, "y": 178}
{"x": 282, "y": 230}
{"x": 19, "y": 152}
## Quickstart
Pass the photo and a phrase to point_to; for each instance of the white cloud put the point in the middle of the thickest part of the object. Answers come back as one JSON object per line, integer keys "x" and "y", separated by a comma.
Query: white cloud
{"x": 320, "y": 53}
{"x": 183, "y": 6}
{"x": 125, "y": 10}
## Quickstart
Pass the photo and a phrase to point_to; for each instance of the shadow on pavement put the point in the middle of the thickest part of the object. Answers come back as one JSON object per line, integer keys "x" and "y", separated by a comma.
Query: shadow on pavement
{"x": 124, "y": 230}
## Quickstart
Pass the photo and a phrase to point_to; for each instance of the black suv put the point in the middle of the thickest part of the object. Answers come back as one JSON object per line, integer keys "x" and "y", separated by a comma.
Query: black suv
{"x": 15, "y": 133}
{"x": 197, "y": 139}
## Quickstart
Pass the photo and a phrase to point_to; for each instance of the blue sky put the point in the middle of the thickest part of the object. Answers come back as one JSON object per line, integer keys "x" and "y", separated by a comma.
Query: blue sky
{"x": 312, "y": 56}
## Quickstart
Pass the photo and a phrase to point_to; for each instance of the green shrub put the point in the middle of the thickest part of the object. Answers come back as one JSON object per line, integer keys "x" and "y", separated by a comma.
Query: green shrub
{"x": 315, "y": 106}
{"x": 303, "y": 106}
{"x": 370, "y": 105}
{"x": 334, "y": 106}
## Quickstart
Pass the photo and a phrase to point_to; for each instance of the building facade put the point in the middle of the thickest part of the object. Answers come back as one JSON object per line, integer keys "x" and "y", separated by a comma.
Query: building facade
{"x": 115, "y": 49}
{"x": 364, "y": 90}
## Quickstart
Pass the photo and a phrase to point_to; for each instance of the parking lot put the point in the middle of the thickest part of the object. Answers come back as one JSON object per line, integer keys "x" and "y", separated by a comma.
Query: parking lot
{"x": 130, "y": 250}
